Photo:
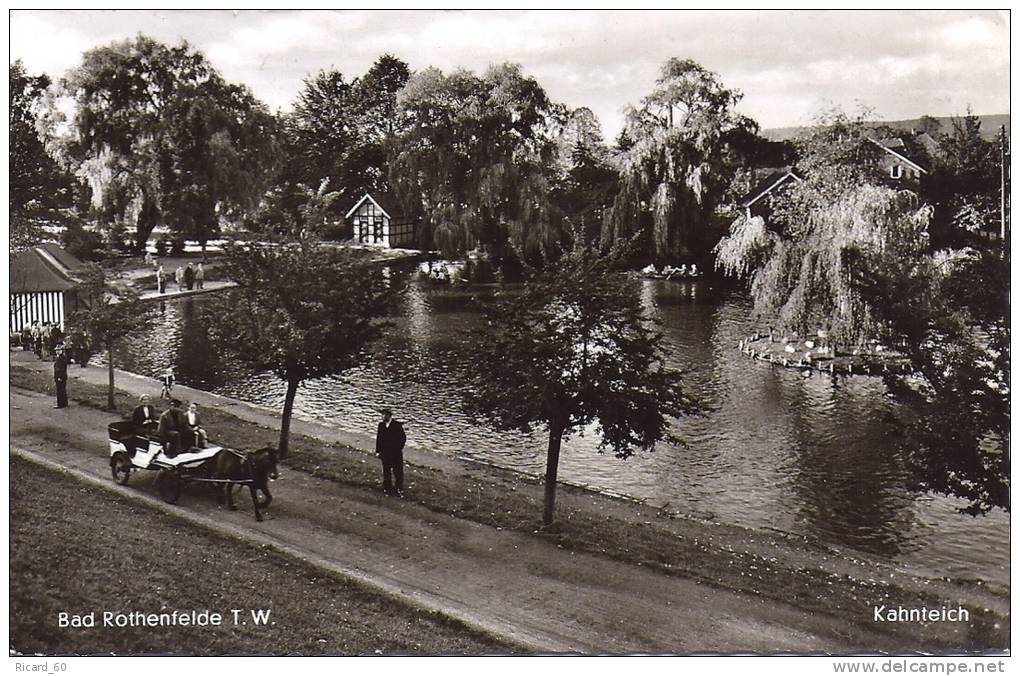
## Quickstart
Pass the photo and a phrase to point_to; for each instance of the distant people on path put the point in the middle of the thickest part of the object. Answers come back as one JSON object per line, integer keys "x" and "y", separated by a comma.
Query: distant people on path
{"x": 60, "y": 376}
{"x": 168, "y": 383}
{"x": 199, "y": 276}
{"x": 189, "y": 277}
{"x": 179, "y": 277}
{"x": 389, "y": 446}
{"x": 46, "y": 347}
{"x": 144, "y": 417}
{"x": 161, "y": 279}
{"x": 37, "y": 338}
{"x": 196, "y": 433}
{"x": 171, "y": 424}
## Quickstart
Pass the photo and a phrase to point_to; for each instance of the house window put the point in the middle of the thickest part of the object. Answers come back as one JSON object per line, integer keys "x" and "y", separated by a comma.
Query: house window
{"x": 896, "y": 171}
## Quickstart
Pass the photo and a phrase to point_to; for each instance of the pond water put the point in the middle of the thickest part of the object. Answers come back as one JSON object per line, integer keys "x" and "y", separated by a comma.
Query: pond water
{"x": 778, "y": 450}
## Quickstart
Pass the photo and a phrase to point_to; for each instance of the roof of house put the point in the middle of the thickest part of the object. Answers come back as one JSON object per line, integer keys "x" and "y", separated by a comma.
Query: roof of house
{"x": 899, "y": 148}
{"x": 68, "y": 261}
{"x": 770, "y": 182}
{"x": 46, "y": 267}
{"x": 386, "y": 201}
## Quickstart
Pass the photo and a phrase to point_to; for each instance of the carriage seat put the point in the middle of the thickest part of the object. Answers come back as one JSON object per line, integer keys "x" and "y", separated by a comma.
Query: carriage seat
{"x": 120, "y": 430}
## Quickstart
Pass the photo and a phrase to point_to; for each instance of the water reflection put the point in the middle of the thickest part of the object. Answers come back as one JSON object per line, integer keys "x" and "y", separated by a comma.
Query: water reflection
{"x": 775, "y": 449}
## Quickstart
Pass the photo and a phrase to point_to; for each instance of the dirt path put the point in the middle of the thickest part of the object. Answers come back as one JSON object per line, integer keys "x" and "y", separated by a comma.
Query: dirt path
{"x": 511, "y": 585}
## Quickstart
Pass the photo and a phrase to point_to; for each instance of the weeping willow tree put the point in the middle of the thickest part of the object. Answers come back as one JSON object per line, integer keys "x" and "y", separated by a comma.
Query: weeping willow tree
{"x": 807, "y": 275}
{"x": 474, "y": 159}
{"x": 825, "y": 235}
{"x": 675, "y": 167}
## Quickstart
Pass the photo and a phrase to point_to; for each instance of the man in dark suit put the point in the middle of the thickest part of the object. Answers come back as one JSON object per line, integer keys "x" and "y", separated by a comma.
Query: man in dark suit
{"x": 171, "y": 425}
{"x": 144, "y": 417}
{"x": 389, "y": 446}
{"x": 60, "y": 376}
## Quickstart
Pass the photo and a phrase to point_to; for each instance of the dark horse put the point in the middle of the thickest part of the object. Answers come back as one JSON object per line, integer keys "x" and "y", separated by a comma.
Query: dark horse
{"x": 253, "y": 469}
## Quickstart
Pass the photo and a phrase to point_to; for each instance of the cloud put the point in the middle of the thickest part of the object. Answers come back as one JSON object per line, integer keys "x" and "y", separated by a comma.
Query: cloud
{"x": 33, "y": 40}
{"x": 904, "y": 63}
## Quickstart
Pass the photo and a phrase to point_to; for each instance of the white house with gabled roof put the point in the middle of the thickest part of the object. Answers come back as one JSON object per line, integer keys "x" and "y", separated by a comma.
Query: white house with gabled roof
{"x": 377, "y": 219}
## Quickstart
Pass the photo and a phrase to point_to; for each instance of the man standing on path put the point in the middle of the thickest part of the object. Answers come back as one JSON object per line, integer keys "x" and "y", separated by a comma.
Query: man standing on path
{"x": 60, "y": 376}
{"x": 199, "y": 276}
{"x": 389, "y": 446}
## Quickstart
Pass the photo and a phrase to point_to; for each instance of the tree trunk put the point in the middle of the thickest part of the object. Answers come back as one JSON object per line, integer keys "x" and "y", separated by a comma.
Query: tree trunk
{"x": 288, "y": 409}
{"x": 109, "y": 366}
{"x": 552, "y": 462}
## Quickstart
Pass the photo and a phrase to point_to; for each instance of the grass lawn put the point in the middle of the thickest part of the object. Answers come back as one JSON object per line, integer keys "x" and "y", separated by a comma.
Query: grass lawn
{"x": 77, "y": 548}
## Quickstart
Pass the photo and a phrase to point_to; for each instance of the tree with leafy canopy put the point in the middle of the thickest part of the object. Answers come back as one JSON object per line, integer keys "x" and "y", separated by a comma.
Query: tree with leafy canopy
{"x": 585, "y": 181}
{"x": 675, "y": 167}
{"x": 965, "y": 182}
{"x": 950, "y": 311}
{"x": 339, "y": 129}
{"x": 109, "y": 313}
{"x": 40, "y": 191}
{"x": 571, "y": 349}
{"x": 302, "y": 309}
{"x": 374, "y": 98}
{"x": 475, "y": 158}
{"x": 158, "y": 135}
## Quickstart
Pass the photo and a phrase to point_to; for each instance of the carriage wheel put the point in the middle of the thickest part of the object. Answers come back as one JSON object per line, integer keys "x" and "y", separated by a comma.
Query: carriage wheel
{"x": 120, "y": 467}
{"x": 169, "y": 486}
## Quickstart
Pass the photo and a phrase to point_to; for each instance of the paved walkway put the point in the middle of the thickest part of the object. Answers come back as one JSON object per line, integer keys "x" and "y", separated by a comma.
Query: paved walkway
{"x": 208, "y": 287}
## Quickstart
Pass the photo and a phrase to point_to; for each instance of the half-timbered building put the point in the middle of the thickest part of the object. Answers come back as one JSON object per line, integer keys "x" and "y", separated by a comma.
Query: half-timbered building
{"x": 378, "y": 219}
{"x": 43, "y": 286}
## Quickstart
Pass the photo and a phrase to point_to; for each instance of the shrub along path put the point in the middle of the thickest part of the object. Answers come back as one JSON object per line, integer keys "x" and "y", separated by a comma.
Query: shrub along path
{"x": 449, "y": 547}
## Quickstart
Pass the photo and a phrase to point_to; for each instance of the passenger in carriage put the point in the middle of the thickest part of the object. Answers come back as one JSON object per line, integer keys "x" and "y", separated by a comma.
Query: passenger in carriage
{"x": 171, "y": 426}
{"x": 196, "y": 434}
{"x": 144, "y": 417}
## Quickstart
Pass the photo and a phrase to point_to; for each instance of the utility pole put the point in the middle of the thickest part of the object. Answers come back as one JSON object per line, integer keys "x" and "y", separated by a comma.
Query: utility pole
{"x": 1003, "y": 184}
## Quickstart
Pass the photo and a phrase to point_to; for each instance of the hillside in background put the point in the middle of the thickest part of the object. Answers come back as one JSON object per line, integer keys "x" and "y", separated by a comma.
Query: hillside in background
{"x": 989, "y": 127}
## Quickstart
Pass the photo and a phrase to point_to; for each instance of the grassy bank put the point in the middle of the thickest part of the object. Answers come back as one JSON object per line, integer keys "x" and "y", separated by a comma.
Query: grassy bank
{"x": 77, "y": 548}
{"x": 768, "y": 565}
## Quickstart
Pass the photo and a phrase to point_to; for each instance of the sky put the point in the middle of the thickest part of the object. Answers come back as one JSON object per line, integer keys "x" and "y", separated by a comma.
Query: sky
{"x": 789, "y": 65}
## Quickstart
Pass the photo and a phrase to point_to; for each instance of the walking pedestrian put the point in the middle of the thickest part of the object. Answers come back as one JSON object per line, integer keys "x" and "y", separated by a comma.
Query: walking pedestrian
{"x": 161, "y": 279}
{"x": 60, "y": 376}
{"x": 389, "y": 446}
{"x": 179, "y": 277}
{"x": 168, "y": 383}
{"x": 189, "y": 276}
{"x": 199, "y": 276}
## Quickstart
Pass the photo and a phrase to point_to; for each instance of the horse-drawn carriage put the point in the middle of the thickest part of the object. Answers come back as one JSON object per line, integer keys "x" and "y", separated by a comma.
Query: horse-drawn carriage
{"x": 223, "y": 468}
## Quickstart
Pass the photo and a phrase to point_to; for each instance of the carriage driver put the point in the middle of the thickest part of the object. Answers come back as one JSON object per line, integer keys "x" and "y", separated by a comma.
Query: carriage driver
{"x": 171, "y": 427}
